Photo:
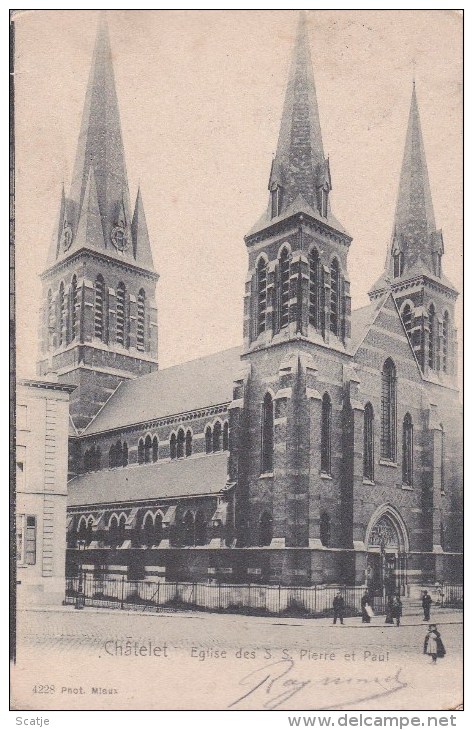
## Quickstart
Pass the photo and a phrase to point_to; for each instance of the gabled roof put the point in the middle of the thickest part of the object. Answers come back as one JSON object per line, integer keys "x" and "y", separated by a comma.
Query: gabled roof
{"x": 171, "y": 479}
{"x": 186, "y": 387}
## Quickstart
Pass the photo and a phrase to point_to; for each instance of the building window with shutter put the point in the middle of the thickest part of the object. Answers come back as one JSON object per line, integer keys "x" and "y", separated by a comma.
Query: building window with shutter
{"x": 140, "y": 321}
{"x": 284, "y": 284}
{"x": 121, "y": 304}
{"x": 208, "y": 440}
{"x": 74, "y": 308}
{"x": 62, "y": 315}
{"x": 431, "y": 337}
{"x": 314, "y": 288}
{"x": 335, "y": 297}
{"x": 446, "y": 343}
{"x": 99, "y": 308}
{"x": 26, "y": 540}
{"x": 407, "y": 320}
{"x": 261, "y": 279}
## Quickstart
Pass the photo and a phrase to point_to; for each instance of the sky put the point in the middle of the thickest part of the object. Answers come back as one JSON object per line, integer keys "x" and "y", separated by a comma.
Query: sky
{"x": 201, "y": 96}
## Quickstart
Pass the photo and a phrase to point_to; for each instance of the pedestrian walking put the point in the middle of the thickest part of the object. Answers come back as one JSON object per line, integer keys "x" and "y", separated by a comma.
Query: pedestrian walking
{"x": 426, "y": 604}
{"x": 397, "y": 610}
{"x": 338, "y": 607}
{"x": 366, "y": 608}
{"x": 433, "y": 644}
{"x": 389, "y": 611}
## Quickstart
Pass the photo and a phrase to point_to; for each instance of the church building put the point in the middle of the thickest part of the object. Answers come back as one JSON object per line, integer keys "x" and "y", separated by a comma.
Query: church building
{"x": 324, "y": 449}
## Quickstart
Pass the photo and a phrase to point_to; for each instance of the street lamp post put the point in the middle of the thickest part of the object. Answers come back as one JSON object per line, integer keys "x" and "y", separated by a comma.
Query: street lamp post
{"x": 80, "y": 598}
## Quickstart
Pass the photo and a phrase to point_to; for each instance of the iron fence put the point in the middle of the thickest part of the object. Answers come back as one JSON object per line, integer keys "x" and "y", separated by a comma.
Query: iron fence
{"x": 269, "y": 600}
{"x": 451, "y": 595}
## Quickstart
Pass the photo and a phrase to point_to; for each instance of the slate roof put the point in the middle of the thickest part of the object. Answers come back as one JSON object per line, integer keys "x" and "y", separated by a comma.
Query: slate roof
{"x": 361, "y": 321}
{"x": 180, "y": 478}
{"x": 186, "y": 387}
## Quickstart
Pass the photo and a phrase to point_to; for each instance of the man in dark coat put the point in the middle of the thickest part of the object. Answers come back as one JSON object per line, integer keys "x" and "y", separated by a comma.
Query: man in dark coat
{"x": 338, "y": 607}
{"x": 426, "y": 603}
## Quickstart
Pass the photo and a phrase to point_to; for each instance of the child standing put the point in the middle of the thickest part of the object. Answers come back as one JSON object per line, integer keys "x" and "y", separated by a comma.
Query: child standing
{"x": 433, "y": 644}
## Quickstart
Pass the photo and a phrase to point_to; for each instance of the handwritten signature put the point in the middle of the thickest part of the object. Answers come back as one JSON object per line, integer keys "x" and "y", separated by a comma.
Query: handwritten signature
{"x": 272, "y": 685}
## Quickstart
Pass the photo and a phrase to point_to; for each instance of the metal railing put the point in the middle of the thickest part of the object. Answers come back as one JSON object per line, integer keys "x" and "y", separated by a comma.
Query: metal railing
{"x": 451, "y": 595}
{"x": 268, "y": 600}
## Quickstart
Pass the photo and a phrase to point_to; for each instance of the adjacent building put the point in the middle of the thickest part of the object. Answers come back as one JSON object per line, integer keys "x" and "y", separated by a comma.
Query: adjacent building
{"x": 325, "y": 448}
{"x": 42, "y": 427}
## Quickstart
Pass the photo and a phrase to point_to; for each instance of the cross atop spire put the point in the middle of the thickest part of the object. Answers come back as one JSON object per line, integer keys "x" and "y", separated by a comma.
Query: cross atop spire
{"x": 415, "y": 234}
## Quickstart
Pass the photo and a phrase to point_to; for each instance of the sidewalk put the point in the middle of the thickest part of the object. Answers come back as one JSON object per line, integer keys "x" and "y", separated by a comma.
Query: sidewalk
{"x": 439, "y": 616}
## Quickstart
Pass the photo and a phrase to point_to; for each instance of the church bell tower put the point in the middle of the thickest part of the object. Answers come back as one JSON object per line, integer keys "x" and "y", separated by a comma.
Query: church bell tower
{"x": 413, "y": 270}
{"x": 99, "y": 315}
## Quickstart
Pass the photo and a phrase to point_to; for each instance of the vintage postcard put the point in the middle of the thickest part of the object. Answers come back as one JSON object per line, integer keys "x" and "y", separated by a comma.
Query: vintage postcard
{"x": 238, "y": 290}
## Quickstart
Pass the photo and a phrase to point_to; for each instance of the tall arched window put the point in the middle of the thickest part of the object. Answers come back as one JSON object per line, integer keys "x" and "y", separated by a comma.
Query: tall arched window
{"x": 172, "y": 446}
{"x": 140, "y": 321}
{"x": 217, "y": 436}
{"x": 407, "y": 450}
{"x": 326, "y": 436}
{"x": 180, "y": 443}
{"x": 446, "y": 341}
{"x": 368, "y": 443}
{"x": 155, "y": 448}
{"x": 189, "y": 443}
{"x": 148, "y": 530}
{"x": 431, "y": 337}
{"x": 407, "y": 320}
{"x": 99, "y": 308}
{"x": 147, "y": 449}
{"x": 284, "y": 281}
{"x": 125, "y": 454}
{"x": 388, "y": 411}
{"x": 325, "y": 529}
{"x": 74, "y": 308}
{"x": 121, "y": 304}
{"x": 112, "y": 459}
{"x": 141, "y": 451}
{"x": 50, "y": 311}
{"x": 200, "y": 528}
{"x": 225, "y": 436}
{"x": 62, "y": 315}
{"x": 335, "y": 297}
{"x": 267, "y": 434}
{"x": 314, "y": 288}
{"x": 261, "y": 276}
{"x": 265, "y": 529}
{"x": 208, "y": 440}
{"x": 117, "y": 530}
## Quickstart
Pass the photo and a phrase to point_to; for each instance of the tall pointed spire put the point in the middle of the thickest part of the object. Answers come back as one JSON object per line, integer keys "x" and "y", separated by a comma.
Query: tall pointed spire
{"x": 414, "y": 232}
{"x": 100, "y": 143}
{"x": 140, "y": 235}
{"x": 299, "y": 165}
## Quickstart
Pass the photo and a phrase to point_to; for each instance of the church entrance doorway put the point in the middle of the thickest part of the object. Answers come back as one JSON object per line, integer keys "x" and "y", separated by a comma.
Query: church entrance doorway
{"x": 386, "y": 571}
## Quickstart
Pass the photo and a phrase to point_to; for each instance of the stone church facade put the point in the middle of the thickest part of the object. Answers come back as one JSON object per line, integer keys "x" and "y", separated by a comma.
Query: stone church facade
{"x": 324, "y": 450}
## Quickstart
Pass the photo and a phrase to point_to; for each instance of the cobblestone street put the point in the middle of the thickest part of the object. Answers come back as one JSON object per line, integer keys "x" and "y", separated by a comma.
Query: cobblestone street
{"x": 202, "y": 661}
